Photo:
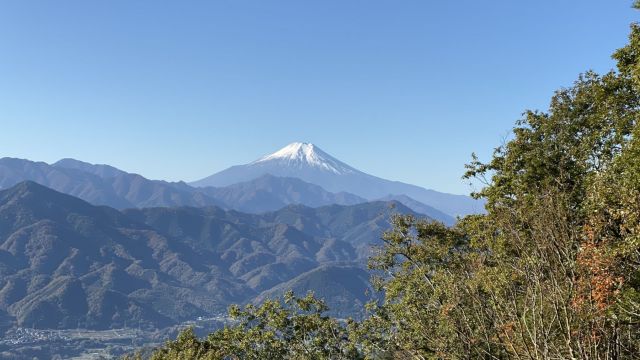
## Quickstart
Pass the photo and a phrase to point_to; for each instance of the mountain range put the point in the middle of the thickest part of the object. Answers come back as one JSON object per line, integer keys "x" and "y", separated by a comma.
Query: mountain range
{"x": 297, "y": 174}
{"x": 86, "y": 246}
{"x": 311, "y": 164}
{"x": 65, "y": 263}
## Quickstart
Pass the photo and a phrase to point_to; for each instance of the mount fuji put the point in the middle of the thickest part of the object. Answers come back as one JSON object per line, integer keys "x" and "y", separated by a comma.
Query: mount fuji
{"x": 308, "y": 162}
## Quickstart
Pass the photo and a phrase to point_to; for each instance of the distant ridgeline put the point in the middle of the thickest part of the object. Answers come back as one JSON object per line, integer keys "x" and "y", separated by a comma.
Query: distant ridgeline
{"x": 297, "y": 174}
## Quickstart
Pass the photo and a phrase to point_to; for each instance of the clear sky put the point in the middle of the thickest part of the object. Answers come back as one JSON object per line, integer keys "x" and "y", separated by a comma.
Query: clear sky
{"x": 405, "y": 90}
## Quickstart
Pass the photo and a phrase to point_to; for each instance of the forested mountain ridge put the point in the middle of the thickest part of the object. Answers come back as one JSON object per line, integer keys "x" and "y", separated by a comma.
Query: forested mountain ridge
{"x": 65, "y": 263}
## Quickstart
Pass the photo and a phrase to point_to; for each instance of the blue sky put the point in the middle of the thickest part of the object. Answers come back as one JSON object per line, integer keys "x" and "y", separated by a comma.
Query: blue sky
{"x": 405, "y": 90}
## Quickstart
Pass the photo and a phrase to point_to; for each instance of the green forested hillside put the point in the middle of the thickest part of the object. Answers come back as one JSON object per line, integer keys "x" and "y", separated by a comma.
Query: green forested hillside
{"x": 551, "y": 271}
{"x": 67, "y": 264}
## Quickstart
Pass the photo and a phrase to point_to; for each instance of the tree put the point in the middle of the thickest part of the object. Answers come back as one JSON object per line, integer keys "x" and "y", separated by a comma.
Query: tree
{"x": 295, "y": 329}
{"x": 550, "y": 271}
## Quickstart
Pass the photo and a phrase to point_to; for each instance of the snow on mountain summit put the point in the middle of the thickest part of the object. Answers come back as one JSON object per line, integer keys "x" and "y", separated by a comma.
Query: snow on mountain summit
{"x": 300, "y": 154}
{"x": 309, "y": 163}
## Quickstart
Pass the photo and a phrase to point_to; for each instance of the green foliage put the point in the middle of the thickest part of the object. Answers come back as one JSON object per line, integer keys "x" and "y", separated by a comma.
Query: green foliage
{"x": 293, "y": 330}
{"x": 428, "y": 292}
{"x": 551, "y": 271}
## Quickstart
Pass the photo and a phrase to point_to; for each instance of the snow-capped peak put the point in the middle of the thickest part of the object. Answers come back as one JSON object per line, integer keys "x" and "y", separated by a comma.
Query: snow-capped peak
{"x": 300, "y": 153}
{"x": 295, "y": 151}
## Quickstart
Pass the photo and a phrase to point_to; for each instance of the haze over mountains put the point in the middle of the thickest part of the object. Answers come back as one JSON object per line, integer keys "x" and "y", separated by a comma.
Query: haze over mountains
{"x": 105, "y": 185}
{"x": 300, "y": 173}
{"x": 311, "y": 164}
